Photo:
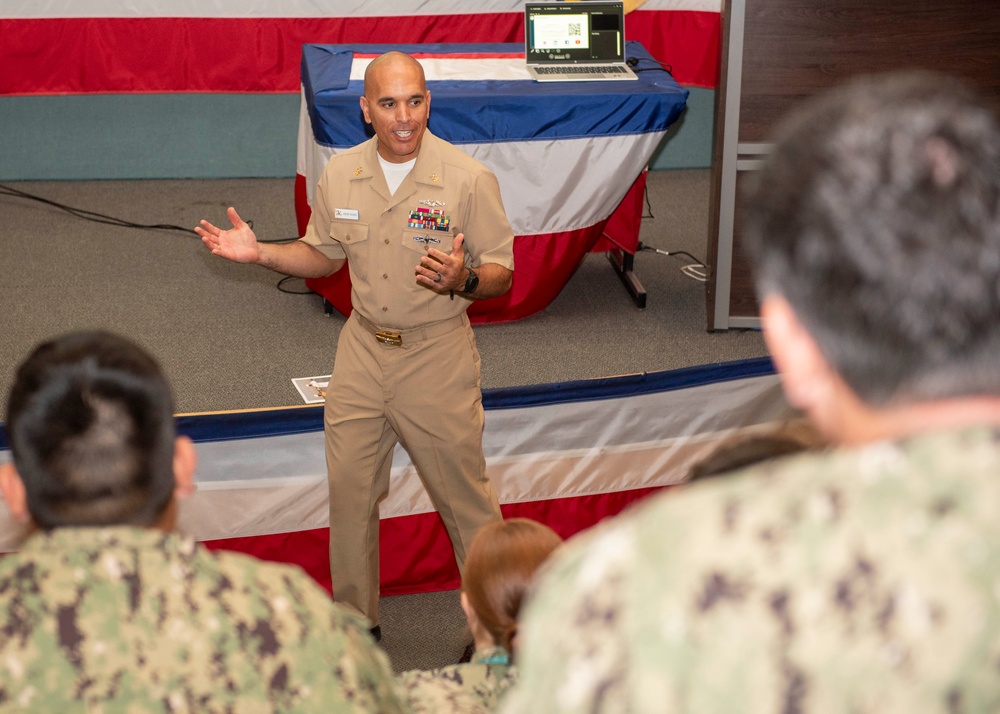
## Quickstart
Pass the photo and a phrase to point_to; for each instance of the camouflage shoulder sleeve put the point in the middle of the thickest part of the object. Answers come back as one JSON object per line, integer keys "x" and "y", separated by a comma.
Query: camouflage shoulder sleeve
{"x": 858, "y": 580}
{"x": 333, "y": 655}
{"x": 128, "y": 619}
{"x": 447, "y": 689}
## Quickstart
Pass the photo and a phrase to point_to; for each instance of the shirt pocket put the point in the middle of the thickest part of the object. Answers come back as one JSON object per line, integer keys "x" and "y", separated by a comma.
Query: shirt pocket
{"x": 419, "y": 241}
{"x": 353, "y": 238}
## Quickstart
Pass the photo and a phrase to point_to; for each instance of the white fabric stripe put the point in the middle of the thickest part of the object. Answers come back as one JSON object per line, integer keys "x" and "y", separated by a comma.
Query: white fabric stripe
{"x": 438, "y": 69}
{"x": 603, "y": 166}
{"x": 646, "y": 419}
{"x": 236, "y": 484}
{"x": 250, "y": 511}
{"x": 272, "y": 458}
{"x": 35, "y": 9}
{"x": 245, "y": 509}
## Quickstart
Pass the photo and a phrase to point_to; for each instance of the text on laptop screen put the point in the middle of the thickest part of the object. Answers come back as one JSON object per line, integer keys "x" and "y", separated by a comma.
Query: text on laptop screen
{"x": 573, "y": 32}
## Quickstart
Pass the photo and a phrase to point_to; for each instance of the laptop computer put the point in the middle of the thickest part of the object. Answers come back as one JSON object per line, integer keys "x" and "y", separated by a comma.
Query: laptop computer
{"x": 576, "y": 41}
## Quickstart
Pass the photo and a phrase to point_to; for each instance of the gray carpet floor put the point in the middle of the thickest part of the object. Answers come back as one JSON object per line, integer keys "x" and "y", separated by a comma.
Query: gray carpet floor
{"x": 230, "y": 339}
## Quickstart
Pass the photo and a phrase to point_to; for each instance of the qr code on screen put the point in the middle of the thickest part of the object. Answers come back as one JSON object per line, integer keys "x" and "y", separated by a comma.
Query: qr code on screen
{"x": 575, "y": 29}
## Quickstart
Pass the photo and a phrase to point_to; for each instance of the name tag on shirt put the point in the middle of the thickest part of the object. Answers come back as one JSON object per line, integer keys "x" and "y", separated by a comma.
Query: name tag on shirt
{"x": 346, "y": 214}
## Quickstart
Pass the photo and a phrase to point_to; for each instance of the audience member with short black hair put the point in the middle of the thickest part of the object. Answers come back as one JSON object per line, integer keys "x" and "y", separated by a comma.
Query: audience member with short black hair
{"x": 105, "y": 607}
{"x": 864, "y": 577}
{"x": 499, "y": 571}
{"x": 755, "y": 446}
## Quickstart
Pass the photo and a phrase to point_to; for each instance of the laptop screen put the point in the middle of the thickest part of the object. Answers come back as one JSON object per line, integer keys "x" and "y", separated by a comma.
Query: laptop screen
{"x": 569, "y": 32}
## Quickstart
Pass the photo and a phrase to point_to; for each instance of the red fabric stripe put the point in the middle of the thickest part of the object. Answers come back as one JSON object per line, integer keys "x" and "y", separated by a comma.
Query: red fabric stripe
{"x": 453, "y": 55}
{"x": 262, "y": 55}
{"x": 205, "y": 54}
{"x": 543, "y": 264}
{"x": 302, "y": 209}
{"x": 688, "y": 41}
{"x": 622, "y": 228}
{"x": 416, "y": 555}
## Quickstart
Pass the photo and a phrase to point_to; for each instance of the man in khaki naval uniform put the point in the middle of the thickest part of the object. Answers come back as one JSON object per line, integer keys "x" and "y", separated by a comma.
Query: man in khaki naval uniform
{"x": 422, "y": 227}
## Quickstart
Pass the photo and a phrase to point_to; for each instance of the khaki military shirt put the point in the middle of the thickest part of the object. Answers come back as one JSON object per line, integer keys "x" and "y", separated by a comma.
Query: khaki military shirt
{"x": 862, "y": 581}
{"x": 354, "y": 216}
{"x": 130, "y": 619}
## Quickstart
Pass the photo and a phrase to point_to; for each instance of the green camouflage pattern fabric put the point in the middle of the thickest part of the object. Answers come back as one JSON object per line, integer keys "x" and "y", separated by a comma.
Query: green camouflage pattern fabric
{"x": 470, "y": 688}
{"x": 862, "y": 581}
{"x": 138, "y": 620}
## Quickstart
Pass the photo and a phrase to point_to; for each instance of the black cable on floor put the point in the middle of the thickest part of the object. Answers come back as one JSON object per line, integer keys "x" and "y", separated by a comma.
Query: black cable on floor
{"x": 293, "y": 292}
{"x": 696, "y": 271}
{"x": 90, "y": 215}
{"x": 112, "y": 220}
{"x": 105, "y": 219}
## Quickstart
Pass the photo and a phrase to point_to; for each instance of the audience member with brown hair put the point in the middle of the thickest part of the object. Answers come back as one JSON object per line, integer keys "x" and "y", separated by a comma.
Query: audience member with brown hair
{"x": 499, "y": 570}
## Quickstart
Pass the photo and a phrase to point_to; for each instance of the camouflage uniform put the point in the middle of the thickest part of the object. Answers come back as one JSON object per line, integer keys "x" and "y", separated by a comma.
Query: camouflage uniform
{"x": 862, "y": 580}
{"x": 468, "y": 688}
{"x": 132, "y": 619}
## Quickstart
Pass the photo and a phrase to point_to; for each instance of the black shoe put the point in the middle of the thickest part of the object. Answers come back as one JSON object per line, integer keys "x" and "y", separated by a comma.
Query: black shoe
{"x": 470, "y": 649}
{"x": 376, "y": 633}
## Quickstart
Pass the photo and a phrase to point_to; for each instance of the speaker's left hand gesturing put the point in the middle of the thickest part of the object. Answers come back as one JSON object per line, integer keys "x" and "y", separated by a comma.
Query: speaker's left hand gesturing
{"x": 443, "y": 271}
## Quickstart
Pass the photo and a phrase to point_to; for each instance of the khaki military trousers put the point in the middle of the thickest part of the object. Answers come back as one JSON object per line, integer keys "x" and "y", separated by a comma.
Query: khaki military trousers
{"x": 425, "y": 394}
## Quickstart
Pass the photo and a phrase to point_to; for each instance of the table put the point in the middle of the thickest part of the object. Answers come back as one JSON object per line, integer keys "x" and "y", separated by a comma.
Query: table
{"x": 570, "y": 157}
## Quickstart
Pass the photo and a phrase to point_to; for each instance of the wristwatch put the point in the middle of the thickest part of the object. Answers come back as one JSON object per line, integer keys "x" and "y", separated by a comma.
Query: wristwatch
{"x": 471, "y": 282}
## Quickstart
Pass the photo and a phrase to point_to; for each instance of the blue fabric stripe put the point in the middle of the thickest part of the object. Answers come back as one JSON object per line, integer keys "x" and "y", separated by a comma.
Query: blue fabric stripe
{"x": 298, "y": 420}
{"x": 493, "y": 111}
{"x": 251, "y": 424}
{"x": 631, "y": 385}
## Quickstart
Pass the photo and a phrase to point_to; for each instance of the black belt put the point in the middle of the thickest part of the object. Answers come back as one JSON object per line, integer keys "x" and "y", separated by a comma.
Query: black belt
{"x": 396, "y": 338}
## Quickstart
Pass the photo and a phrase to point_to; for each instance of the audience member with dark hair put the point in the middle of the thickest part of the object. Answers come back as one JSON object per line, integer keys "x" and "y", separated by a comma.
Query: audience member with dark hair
{"x": 863, "y": 577}
{"x": 498, "y": 573}
{"x": 105, "y": 608}
{"x": 755, "y": 446}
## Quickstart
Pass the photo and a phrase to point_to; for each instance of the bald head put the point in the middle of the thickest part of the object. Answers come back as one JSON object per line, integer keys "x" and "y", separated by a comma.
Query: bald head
{"x": 392, "y": 62}
{"x": 397, "y": 104}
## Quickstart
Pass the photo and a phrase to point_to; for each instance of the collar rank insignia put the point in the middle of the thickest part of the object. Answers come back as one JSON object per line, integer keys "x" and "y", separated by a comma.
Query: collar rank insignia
{"x": 357, "y": 171}
{"x": 435, "y": 178}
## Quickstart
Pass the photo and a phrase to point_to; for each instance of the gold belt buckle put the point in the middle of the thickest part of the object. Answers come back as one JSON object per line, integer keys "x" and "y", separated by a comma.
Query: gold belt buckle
{"x": 389, "y": 338}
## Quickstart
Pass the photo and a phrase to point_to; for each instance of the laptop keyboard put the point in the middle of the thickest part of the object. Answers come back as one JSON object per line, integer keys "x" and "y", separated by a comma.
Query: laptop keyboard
{"x": 585, "y": 69}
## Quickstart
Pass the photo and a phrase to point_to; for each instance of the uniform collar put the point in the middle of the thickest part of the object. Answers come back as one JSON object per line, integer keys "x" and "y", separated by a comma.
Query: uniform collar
{"x": 427, "y": 172}
{"x": 99, "y": 539}
{"x": 495, "y": 655}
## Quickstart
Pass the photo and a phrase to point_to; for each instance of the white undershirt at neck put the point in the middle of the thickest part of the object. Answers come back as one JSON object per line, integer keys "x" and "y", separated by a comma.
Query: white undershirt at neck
{"x": 395, "y": 173}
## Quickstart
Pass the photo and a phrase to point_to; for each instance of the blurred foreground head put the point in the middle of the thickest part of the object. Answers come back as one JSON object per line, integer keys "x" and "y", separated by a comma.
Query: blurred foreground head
{"x": 91, "y": 429}
{"x": 876, "y": 219}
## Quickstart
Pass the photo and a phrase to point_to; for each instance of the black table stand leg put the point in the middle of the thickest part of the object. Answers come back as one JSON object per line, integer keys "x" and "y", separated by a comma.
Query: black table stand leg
{"x": 622, "y": 262}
